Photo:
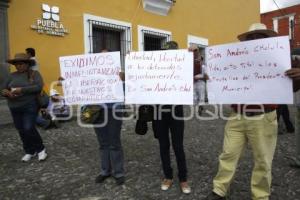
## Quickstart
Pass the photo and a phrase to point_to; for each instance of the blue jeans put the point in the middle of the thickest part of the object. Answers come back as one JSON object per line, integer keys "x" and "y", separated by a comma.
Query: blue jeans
{"x": 41, "y": 121}
{"x": 111, "y": 152}
{"x": 24, "y": 118}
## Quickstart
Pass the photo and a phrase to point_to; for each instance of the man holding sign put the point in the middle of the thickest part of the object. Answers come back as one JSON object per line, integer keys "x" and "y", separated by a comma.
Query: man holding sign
{"x": 255, "y": 124}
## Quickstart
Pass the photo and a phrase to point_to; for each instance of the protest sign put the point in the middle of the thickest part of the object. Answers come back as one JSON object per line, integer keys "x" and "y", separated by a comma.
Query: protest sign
{"x": 92, "y": 78}
{"x": 250, "y": 72}
{"x": 159, "y": 77}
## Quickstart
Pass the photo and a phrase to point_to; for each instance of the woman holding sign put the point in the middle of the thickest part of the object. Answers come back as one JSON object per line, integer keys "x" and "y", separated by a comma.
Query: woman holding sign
{"x": 109, "y": 138}
{"x": 161, "y": 126}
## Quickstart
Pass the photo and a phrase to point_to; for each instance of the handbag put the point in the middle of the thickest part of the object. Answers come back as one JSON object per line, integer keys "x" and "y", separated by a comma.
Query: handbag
{"x": 42, "y": 97}
{"x": 141, "y": 127}
{"x": 91, "y": 114}
{"x": 145, "y": 113}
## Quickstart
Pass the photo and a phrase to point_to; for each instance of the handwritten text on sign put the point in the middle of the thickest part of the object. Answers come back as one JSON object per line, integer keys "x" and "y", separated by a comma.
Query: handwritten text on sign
{"x": 159, "y": 77}
{"x": 250, "y": 72}
{"x": 92, "y": 78}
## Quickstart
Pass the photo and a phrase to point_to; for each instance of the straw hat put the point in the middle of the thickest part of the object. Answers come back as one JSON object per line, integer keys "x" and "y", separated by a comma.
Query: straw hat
{"x": 21, "y": 57}
{"x": 257, "y": 28}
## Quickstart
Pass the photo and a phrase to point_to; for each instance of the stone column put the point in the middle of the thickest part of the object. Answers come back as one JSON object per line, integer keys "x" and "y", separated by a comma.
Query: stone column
{"x": 4, "y": 46}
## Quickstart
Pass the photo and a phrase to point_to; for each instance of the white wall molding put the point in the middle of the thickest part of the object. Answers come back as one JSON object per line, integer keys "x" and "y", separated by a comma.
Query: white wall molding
{"x": 197, "y": 40}
{"x": 88, "y": 29}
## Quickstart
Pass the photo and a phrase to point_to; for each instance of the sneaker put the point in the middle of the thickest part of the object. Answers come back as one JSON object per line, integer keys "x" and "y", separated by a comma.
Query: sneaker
{"x": 47, "y": 124}
{"x": 214, "y": 196}
{"x": 100, "y": 178}
{"x": 166, "y": 184}
{"x": 280, "y": 133}
{"x": 56, "y": 123}
{"x": 185, "y": 188}
{"x": 290, "y": 130}
{"x": 200, "y": 110}
{"x": 120, "y": 180}
{"x": 27, "y": 157}
{"x": 42, "y": 155}
{"x": 294, "y": 164}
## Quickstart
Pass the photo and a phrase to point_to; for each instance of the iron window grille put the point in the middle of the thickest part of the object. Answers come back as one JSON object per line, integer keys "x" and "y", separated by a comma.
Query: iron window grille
{"x": 113, "y": 37}
{"x": 154, "y": 40}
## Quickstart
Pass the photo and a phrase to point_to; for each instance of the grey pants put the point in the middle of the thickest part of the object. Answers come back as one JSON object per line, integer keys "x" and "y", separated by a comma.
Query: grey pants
{"x": 111, "y": 152}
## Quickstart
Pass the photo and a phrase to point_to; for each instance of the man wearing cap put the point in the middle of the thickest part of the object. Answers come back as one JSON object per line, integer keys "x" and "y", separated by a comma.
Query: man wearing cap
{"x": 259, "y": 129}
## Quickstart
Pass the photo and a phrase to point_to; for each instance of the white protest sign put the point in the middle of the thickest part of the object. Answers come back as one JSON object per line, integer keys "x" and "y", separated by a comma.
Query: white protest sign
{"x": 159, "y": 77}
{"x": 92, "y": 78}
{"x": 250, "y": 72}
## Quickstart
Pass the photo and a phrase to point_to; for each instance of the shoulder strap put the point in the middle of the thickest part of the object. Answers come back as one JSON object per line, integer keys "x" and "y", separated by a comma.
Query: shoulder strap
{"x": 31, "y": 74}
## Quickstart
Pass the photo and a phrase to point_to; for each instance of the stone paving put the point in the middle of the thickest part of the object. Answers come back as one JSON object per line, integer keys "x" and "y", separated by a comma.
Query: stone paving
{"x": 73, "y": 164}
{"x": 5, "y": 117}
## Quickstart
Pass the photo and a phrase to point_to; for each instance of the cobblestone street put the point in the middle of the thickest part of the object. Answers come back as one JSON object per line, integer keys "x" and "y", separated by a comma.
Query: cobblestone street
{"x": 73, "y": 164}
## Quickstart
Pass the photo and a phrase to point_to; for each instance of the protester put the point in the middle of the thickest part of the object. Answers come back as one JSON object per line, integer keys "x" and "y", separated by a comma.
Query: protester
{"x": 294, "y": 73}
{"x": 283, "y": 110}
{"x": 21, "y": 93}
{"x": 161, "y": 126}
{"x": 199, "y": 78}
{"x": 259, "y": 129}
{"x": 109, "y": 138}
{"x": 31, "y": 53}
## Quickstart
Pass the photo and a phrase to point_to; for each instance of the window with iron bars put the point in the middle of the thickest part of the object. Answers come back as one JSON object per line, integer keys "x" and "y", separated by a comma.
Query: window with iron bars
{"x": 154, "y": 40}
{"x": 109, "y": 36}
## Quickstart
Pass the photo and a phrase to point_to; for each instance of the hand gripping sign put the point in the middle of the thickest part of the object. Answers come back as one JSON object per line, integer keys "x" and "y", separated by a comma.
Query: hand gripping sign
{"x": 250, "y": 72}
